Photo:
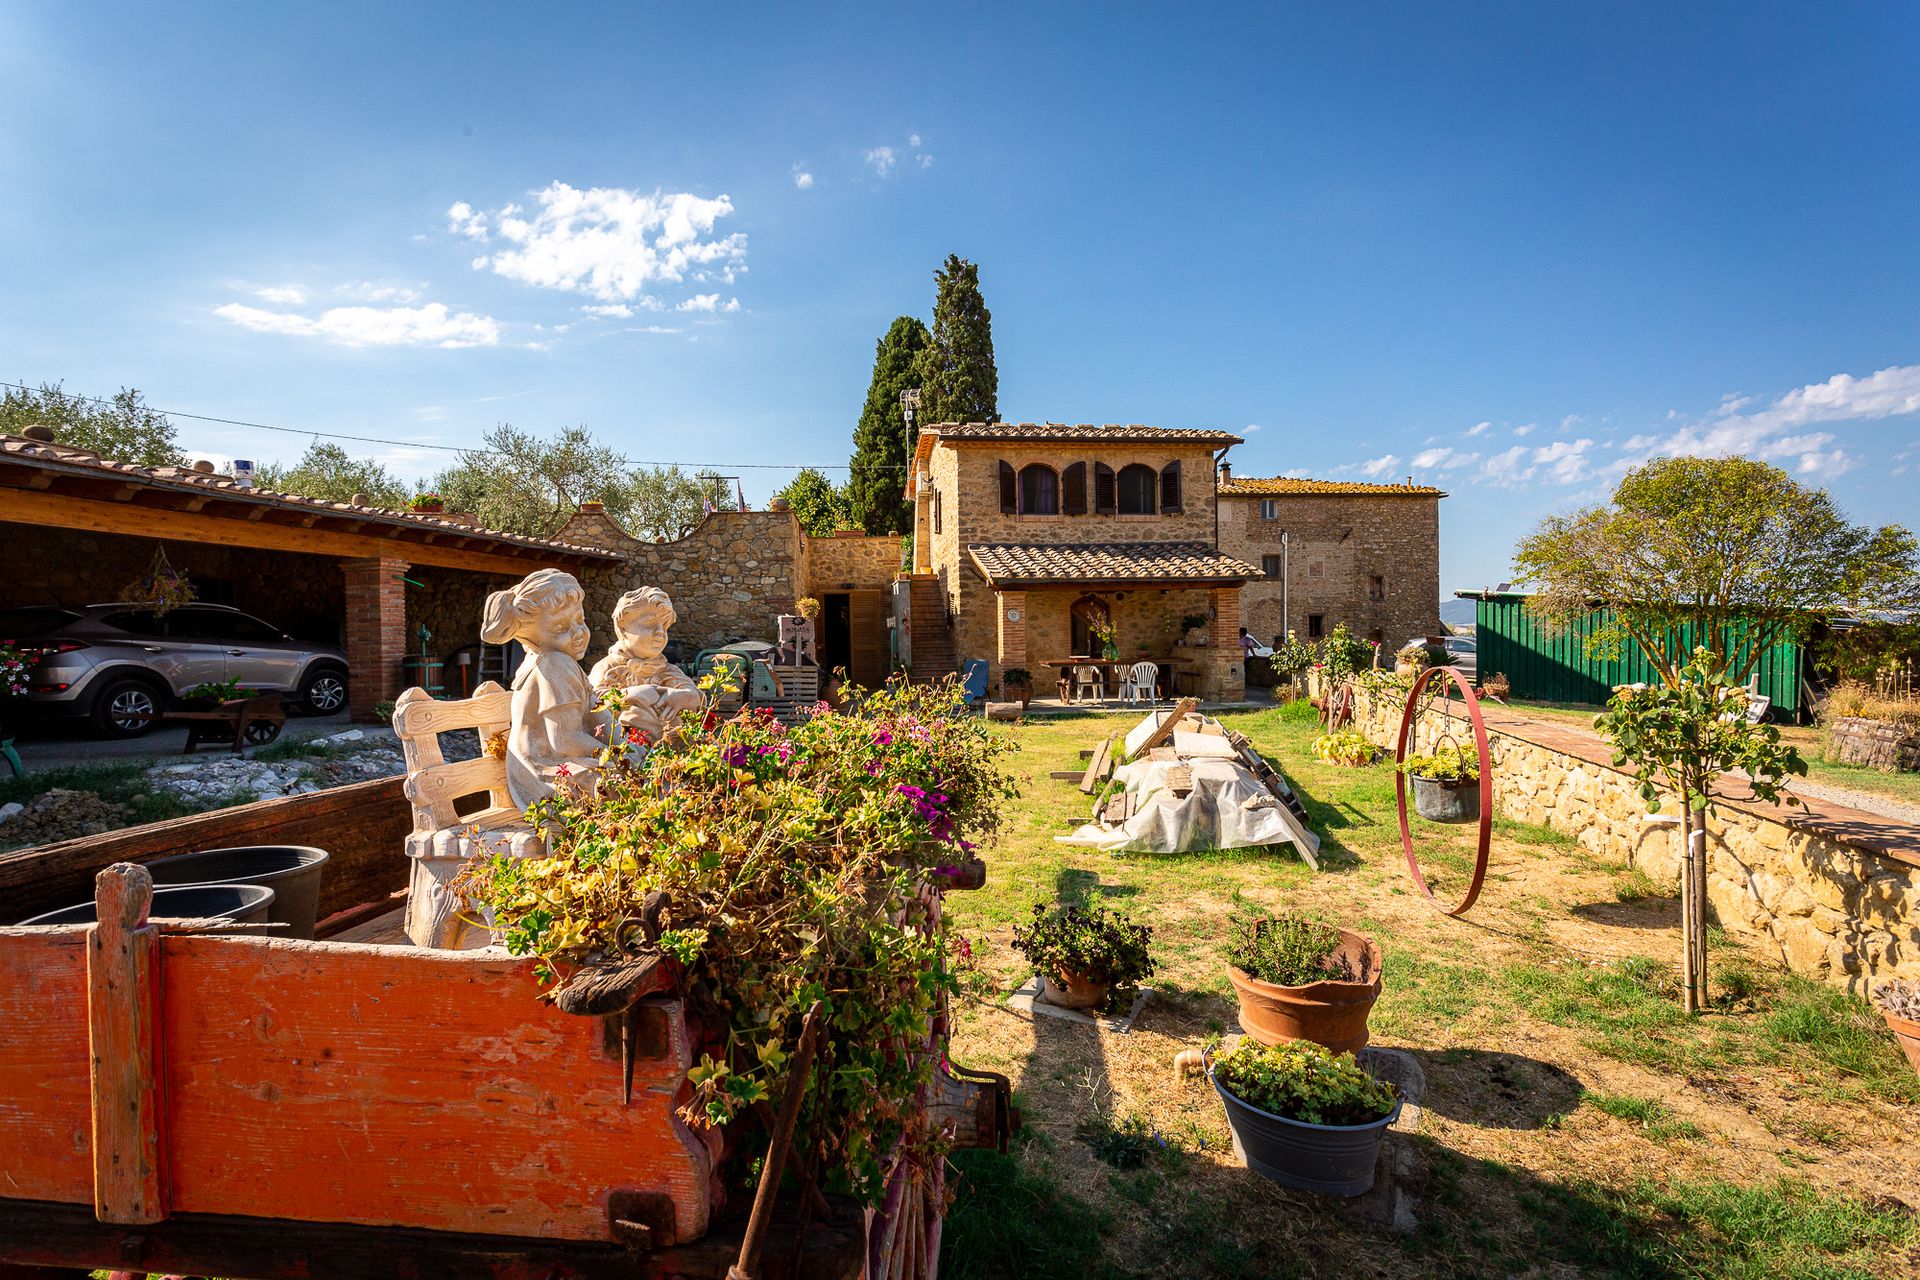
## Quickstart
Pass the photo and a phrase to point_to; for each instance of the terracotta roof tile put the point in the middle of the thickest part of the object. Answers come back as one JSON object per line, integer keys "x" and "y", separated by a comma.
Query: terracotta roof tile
{"x": 1242, "y": 485}
{"x": 1010, "y": 563}
{"x": 1079, "y": 431}
{"x": 22, "y": 451}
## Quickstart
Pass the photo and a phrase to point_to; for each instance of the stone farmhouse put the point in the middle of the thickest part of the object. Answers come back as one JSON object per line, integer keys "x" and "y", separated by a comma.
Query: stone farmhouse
{"x": 1028, "y": 536}
{"x": 1334, "y": 551}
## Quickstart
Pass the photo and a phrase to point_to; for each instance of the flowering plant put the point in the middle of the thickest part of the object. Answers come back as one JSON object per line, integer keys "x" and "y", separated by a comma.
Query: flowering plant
{"x": 797, "y": 862}
{"x": 425, "y": 502}
{"x": 13, "y": 672}
{"x": 1090, "y": 942}
{"x": 161, "y": 586}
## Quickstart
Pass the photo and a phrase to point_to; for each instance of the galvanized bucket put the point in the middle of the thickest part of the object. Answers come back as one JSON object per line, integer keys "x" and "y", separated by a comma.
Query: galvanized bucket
{"x": 1334, "y": 1160}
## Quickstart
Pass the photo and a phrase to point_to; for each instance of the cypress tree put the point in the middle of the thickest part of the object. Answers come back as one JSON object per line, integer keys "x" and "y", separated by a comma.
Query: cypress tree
{"x": 961, "y": 383}
{"x": 876, "y": 491}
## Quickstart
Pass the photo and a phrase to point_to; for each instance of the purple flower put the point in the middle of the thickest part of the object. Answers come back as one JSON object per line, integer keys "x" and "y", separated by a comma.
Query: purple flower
{"x": 736, "y": 756}
{"x": 873, "y": 768}
{"x": 881, "y": 738}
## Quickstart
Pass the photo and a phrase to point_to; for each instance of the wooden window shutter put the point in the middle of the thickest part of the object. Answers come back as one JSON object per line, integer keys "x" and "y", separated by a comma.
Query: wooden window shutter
{"x": 1009, "y": 490}
{"x": 1073, "y": 490}
{"x": 1170, "y": 488}
{"x": 1104, "y": 502}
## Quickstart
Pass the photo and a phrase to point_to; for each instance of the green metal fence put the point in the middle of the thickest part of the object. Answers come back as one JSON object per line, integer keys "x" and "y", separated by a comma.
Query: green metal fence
{"x": 1545, "y": 666}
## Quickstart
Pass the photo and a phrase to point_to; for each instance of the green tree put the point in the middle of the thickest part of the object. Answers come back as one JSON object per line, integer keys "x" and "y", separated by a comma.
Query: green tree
{"x": 876, "y": 491}
{"x": 668, "y": 502}
{"x": 1727, "y": 554}
{"x": 329, "y": 472}
{"x": 959, "y": 382}
{"x": 819, "y": 504}
{"x": 124, "y": 429}
{"x": 521, "y": 483}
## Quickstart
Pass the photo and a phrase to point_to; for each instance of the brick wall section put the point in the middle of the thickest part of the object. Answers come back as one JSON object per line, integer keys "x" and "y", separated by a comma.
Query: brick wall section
{"x": 1338, "y": 541}
{"x": 1013, "y": 631}
{"x": 376, "y": 608}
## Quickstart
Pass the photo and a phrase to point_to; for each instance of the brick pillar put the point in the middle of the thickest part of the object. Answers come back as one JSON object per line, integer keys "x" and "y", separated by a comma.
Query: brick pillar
{"x": 1013, "y": 632}
{"x": 376, "y": 632}
{"x": 1227, "y": 678}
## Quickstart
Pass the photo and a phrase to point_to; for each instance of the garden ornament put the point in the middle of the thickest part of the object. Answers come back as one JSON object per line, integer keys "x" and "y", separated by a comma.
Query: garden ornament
{"x": 796, "y": 639}
{"x": 552, "y": 735}
{"x": 653, "y": 691}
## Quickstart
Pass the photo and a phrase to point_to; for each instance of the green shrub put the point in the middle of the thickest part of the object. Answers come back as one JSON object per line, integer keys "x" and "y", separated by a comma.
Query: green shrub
{"x": 1090, "y": 942}
{"x": 1288, "y": 950}
{"x": 1301, "y": 1080}
{"x": 1447, "y": 763}
{"x": 1347, "y": 747}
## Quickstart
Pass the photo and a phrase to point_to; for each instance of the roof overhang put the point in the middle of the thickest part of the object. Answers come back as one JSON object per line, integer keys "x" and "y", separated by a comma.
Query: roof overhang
{"x": 1109, "y": 566}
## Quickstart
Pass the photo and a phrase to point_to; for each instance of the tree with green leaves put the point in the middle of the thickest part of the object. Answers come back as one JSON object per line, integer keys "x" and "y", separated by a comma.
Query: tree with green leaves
{"x": 330, "y": 473}
{"x": 960, "y": 382}
{"x": 123, "y": 429}
{"x": 667, "y": 502}
{"x": 876, "y": 491}
{"x": 819, "y": 504}
{"x": 518, "y": 482}
{"x": 1727, "y": 554}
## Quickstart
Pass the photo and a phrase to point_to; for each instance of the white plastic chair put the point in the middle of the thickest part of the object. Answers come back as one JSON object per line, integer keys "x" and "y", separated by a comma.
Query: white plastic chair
{"x": 1143, "y": 679}
{"x": 1089, "y": 677}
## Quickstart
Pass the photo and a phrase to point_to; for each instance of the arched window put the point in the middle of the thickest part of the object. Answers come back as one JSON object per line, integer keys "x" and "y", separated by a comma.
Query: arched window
{"x": 1136, "y": 490}
{"x": 1039, "y": 490}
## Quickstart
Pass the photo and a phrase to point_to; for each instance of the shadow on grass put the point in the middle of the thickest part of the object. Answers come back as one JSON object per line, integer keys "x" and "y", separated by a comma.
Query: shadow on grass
{"x": 1641, "y": 913}
{"x": 1496, "y": 1090}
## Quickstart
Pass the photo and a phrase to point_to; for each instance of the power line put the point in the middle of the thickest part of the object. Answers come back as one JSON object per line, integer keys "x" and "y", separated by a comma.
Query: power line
{"x": 446, "y": 448}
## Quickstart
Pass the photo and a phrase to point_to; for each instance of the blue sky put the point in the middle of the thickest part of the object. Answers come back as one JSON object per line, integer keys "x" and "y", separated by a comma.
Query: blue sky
{"x": 1508, "y": 250}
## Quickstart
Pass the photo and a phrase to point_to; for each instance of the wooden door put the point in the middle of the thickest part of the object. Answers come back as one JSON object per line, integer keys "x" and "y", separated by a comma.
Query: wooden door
{"x": 867, "y": 625}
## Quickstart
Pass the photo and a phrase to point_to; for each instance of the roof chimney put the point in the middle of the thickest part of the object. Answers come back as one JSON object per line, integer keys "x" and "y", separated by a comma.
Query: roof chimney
{"x": 1226, "y": 471}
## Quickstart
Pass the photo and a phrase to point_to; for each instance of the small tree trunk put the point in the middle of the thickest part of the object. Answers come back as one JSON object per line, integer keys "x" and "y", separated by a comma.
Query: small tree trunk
{"x": 1697, "y": 859}
{"x": 1689, "y": 984}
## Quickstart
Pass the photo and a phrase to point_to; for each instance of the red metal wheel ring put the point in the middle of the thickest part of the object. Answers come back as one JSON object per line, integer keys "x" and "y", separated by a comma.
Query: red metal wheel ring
{"x": 1486, "y": 788}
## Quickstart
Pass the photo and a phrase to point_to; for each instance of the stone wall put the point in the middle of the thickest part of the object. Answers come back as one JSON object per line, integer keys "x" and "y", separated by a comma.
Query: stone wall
{"x": 1338, "y": 543}
{"x": 1832, "y": 910}
{"x": 967, "y": 474}
{"x": 850, "y": 562}
{"x": 1878, "y": 744}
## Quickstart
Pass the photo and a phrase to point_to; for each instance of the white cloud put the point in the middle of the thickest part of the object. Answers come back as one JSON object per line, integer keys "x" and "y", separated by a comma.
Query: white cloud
{"x": 611, "y": 243}
{"x": 1478, "y": 428}
{"x": 926, "y": 161}
{"x": 285, "y": 294}
{"x": 1377, "y": 466}
{"x": 913, "y": 140}
{"x": 880, "y": 160}
{"x": 462, "y": 219}
{"x": 1525, "y": 430}
{"x": 709, "y": 302}
{"x": 1443, "y": 458}
{"x": 430, "y": 325}
{"x": 801, "y": 178}
{"x": 1562, "y": 462}
{"x": 1296, "y": 473}
{"x": 1249, "y": 429}
{"x": 368, "y": 291}
{"x": 609, "y": 310}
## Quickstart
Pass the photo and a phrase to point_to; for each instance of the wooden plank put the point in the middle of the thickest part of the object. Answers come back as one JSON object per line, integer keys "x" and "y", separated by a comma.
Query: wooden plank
{"x": 123, "y": 958}
{"x": 1163, "y": 754}
{"x": 1180, "y": 780}
{"x": 46, "y": 1097}
{"x": 1064, "y": 775}
{"x": 324, "y": 1081}
{"x": 363, "y": 825}
{"x": 1164, "y": 730}
{"x": 62, "y": 511}
{"x": 1097, "y": 766}
{"x": 867, "y": 638}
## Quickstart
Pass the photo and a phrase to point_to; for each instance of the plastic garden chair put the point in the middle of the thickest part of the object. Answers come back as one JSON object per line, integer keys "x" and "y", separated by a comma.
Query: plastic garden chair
{"x": 1143, "y": 679}
{"x": 1089, "y": 677}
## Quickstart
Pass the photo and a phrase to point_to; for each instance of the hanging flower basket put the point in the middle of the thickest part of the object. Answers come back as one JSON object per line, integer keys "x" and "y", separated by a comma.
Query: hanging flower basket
{"x": 162, "y": 587}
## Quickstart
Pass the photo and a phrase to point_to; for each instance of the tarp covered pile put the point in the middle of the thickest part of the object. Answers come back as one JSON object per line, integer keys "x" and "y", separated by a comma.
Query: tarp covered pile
{"x": 1182, "y": 782}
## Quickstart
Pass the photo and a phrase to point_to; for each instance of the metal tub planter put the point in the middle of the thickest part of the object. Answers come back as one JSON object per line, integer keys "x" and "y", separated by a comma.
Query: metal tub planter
{"x": 292, "y": 871}
{"x": 1438, "y": 801}
{"x": 239, "y": 903}
{"x": 1336, "y": 1159}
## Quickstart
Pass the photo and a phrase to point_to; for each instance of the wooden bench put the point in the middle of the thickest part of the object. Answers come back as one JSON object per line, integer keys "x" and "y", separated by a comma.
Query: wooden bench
{"x": 252, "y": 721}
{"x": 444, "y": 839}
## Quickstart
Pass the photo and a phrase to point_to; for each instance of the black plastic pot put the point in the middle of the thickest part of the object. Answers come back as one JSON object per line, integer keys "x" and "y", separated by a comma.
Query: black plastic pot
{"x": 292, "y": 871}
{"x": 240, "y": 903}
{"x": 1439, "y": 801}
{"x": 1334, "y": 1160}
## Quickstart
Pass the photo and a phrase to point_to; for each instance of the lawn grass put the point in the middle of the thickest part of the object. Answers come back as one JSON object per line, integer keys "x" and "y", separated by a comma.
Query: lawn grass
{"x": 1519, "y": 1014}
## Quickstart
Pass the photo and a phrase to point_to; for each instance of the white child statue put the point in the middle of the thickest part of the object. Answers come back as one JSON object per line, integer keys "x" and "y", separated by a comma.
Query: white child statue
{"x": 553, "y": 716}
{"x": 654, "y": 692}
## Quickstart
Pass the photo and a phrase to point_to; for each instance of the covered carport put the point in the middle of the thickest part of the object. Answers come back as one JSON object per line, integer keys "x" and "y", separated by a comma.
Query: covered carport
{"x": 76, "y": 529}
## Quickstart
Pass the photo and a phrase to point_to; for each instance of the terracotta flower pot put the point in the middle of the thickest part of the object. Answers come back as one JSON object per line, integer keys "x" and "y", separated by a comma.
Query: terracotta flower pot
{"x": 1331, "y": 1013}
{"x": 1071, "y": 991}
{"x": 1908, "y": 1034}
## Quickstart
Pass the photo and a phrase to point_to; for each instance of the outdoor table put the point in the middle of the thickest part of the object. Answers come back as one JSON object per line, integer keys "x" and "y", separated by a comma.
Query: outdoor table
{"x": 250, "y": 721}
{"x": 1115, "y": 671}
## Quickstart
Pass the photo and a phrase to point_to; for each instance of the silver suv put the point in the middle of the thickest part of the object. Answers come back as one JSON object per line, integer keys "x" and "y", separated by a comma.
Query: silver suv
{"x": 122, "y": 665}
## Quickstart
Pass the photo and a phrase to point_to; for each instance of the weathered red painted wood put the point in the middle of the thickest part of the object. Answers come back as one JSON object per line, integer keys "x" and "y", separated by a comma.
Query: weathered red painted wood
{"x": 46, "y": 1117}
{"x": 339, "y": 1083}
{"x": 123, "y": 958}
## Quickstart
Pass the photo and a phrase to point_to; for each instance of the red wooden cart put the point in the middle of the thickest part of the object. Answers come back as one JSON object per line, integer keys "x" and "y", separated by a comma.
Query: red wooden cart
{"x": 180, "y": 1097}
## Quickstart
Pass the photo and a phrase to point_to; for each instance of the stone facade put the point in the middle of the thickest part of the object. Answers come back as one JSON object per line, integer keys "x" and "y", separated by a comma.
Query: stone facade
{"x": 1366, "y": 555}
{"x": 1832, "y": 910}
{"x": 958, "y": 505}
{"x": 850, "y": 562}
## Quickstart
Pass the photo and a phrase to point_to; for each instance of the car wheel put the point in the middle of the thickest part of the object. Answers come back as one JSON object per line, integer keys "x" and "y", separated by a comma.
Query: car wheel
{"x": 126, "y": 708}
{"x": 324, "y": 692}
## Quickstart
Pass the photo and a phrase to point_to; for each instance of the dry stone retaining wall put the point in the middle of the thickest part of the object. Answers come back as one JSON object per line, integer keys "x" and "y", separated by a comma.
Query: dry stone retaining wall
{"x": 1833, "y": 911}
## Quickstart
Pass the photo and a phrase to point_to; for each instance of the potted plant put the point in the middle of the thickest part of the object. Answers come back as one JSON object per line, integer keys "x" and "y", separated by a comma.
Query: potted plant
{"x": 1347, "y": 747}
{"x": 1017, "y": 683}
{"x": 426, "y": 504}
{"x": 207, "y": 696}
{"x": 1446, "y": 783}
{"x": 1304, "y": 1116}
{"x": 1299, "y": 979}
{"x": 1107, "y": 639}
{"x": 1899, "y": 1002}
{"x": 807, "y": 607}
{"x": 1193, "y": 630}
{"x": 1086, "y": 957}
